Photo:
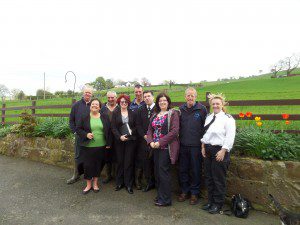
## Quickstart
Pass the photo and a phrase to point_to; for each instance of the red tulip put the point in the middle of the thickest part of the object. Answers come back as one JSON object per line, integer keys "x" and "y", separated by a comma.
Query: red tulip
{"x": 248, "y": 114}
{"x": 285, "y": 116}
{"x": 241, "y": 115}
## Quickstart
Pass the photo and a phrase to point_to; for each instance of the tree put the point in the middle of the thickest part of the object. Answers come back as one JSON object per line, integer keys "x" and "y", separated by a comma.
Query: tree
{"x": 99, "y": 84}
{"x": 109, "y": 84}
{"x": 3, "y": 91}
{"x": 276, "y": 68}
{"x": 40, "y": 93}
{"x": 21, "y": 95}
{"x": 14, "y": 93}
{"x": 291, "y": 63}
{"x": 145, "y": 81}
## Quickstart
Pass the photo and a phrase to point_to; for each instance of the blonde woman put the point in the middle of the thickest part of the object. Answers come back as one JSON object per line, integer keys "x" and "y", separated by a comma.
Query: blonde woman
{"x": 217, "y": 142}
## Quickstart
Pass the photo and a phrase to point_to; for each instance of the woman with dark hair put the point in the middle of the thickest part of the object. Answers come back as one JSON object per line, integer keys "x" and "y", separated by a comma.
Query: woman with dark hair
{"x": 94, "y": 135}
{"x": 162, "y": 136}
{"x": 124, "y": 129}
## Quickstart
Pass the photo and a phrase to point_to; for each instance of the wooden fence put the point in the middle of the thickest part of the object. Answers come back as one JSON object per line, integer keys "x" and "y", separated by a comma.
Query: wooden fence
{"x": 33, "y": 108}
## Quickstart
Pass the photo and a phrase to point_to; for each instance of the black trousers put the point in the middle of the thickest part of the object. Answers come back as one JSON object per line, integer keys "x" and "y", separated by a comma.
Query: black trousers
{"x": 125, "y": 162}
{"x": 162, "y": 165}
{"x": 93, "y": 161}
{"x": 215, "y": 175}
{"x": 147, "y": 162}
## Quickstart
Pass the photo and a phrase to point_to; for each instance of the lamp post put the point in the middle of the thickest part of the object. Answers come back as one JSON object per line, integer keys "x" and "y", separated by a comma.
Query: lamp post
{"x": 74, "y": 80}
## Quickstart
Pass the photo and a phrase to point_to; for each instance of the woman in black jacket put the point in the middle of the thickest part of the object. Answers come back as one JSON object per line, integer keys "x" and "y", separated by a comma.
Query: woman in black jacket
{"x": 94, "y": 135}
{"x": 124, "y": 144}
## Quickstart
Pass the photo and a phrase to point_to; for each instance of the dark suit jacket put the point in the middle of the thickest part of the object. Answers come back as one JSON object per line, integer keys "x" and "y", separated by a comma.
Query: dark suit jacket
{"x": 117, "y": 122}
{"x": 142, "y": 121}
{"x": 84, "y": 127}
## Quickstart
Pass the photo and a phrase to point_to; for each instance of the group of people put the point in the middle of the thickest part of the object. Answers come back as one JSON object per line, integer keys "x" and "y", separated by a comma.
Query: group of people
{"x": 144, "y": 137}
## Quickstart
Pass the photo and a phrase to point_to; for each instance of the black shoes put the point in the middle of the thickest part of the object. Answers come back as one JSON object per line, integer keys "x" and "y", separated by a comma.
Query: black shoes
{"x": 129, "y": 190}
{"x": 148, "y": 188}
{"x": 207, "y": 206}
{"x": 119, "y": 187}
{"x": 86, "y": 192}
{"x": 214, "y": 209}
{"x": 162, "y": 204}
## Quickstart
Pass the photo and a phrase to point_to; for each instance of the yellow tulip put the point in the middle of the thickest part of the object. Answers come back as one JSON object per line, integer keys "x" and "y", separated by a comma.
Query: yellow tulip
{"x": 259, "y": 124}
{"x": 257, "y": 118}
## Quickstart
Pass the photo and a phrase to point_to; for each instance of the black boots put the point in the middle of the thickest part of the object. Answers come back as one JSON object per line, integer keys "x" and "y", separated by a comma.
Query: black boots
{"x": 108, "y": 172}
{"x": 138, "y": 179}
{"x": 75, "y": 176}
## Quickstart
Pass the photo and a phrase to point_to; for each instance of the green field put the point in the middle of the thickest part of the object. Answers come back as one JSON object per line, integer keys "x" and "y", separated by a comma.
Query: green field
{"x": 255, "y": 88}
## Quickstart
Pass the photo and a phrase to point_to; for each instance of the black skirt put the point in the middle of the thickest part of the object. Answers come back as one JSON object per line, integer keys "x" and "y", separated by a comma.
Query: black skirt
{"x": 93, "y": 161}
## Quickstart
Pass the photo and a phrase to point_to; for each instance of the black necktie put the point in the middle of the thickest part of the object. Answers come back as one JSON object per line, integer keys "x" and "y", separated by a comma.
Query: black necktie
{"x": 208, "y": 125}
{"x": 149, "y": 112}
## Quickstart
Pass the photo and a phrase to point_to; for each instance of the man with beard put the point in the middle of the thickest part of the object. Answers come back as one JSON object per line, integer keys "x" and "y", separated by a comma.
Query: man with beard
{"x": 108, "y": 109}
{"x": 78, "y": 110}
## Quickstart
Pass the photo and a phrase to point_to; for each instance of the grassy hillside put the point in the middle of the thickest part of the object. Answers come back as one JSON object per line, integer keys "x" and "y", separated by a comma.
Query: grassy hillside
{"x": 254, "y": 88}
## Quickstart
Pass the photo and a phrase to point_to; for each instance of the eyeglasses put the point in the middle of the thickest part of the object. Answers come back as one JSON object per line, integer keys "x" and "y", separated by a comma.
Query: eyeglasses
{"x": 123, "y": 102}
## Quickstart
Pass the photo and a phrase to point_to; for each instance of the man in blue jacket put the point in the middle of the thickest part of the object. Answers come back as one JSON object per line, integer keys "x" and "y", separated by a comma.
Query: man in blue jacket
{"x": 79, "y": 109}
{"x": 192, "y": 121}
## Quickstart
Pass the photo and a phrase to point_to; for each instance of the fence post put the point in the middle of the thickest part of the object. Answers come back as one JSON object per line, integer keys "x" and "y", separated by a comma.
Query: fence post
{"x": 33, "y": 108}
{"x": 207, "y": 102}
{"x": 3, "y": 114}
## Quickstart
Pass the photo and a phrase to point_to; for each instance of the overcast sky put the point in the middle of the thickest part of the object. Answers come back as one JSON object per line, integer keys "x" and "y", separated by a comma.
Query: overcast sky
{"x": 126, "y": 39}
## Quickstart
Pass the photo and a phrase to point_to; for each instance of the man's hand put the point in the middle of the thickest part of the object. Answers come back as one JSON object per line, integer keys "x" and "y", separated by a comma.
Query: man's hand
{"x": 220, "y": 155}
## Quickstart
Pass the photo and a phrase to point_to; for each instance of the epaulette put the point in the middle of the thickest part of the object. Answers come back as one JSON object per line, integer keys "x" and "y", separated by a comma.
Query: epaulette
{"x": 228, "y": 115}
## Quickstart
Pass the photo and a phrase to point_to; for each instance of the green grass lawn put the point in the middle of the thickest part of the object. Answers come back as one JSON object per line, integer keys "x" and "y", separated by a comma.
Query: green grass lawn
{"x": 254, "y": 88}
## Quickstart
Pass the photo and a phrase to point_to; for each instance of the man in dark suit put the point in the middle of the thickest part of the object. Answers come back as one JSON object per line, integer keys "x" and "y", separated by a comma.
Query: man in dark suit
{"x": 108, "y": 109}
{"x": 79, "y": 109}
{"x": 144, "y": 154}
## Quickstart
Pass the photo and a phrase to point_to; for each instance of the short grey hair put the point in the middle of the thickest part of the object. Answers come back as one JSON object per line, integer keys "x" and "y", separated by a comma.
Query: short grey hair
{"x": 191, "y": 89}
{"x": 87, "y": 87}
{"x": 111, "y": 92}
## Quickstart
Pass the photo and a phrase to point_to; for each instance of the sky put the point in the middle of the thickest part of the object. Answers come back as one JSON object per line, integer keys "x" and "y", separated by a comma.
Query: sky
{"x": 181, "y": 40}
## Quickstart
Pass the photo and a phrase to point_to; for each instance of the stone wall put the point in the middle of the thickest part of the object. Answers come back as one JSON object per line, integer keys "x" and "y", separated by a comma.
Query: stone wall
{"x": 253, "y": 178}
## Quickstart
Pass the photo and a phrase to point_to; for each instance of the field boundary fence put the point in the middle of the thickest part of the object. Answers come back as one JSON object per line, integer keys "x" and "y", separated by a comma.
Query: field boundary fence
{"x": 33, "y": 107}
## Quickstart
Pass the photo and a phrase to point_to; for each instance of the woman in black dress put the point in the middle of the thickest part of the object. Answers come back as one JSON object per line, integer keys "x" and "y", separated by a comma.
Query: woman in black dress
{"x": 94, "y": 136}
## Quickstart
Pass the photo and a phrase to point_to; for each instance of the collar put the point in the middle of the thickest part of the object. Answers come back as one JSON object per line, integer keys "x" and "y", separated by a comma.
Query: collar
{"x": 221, "y": 113}
{"x": 151, "y": 106}
{"x": 196, "y": 106}
{"x": 134, "y": 102}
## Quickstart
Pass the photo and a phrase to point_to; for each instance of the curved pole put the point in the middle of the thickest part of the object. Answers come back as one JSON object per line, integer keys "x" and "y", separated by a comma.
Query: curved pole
{"x": 74, "y": 80}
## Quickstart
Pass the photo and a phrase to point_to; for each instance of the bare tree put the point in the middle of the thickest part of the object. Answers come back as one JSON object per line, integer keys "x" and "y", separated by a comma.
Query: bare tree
{"x": 145, "y": 81}
{"x": 291, "y": 63}
{"x": 276, "y": 68}
{"x": 3, "y": 91}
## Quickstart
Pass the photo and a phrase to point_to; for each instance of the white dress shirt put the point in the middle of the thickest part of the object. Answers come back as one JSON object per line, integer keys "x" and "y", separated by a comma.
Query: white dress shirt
{"x": 221, "y": 131}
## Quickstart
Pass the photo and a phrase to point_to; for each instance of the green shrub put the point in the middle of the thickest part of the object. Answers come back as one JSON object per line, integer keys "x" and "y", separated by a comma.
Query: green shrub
{"x": 27, "y": 125}
{"x": 264, "y": 144}
{"x": 4, "y": 131}
{"x": 52, "y": 127}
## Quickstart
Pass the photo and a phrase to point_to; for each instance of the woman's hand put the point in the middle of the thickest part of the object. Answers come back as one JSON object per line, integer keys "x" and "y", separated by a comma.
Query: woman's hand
{"x": 220, "y": 155}
{"x": 156, "y": 145}
{"x": 107, "y": 147}
{"x": 203, "y": 152}
{"x": 123, "y": 138}
{"x": 90, "y": 136}
{"x": 152, "y": 144}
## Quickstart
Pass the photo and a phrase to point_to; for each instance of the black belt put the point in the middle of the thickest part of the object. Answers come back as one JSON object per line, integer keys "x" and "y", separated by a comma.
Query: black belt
{"x": 209, "y": 145}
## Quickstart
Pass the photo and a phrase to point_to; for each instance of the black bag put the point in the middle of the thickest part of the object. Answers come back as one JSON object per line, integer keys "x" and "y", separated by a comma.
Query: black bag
{"x": 240, "y": 206}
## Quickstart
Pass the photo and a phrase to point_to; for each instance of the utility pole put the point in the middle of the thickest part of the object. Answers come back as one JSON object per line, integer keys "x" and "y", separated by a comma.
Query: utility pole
{"x": 44, "y": 86}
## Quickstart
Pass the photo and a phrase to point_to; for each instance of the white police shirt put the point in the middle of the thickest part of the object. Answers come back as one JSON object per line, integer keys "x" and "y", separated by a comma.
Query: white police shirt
{"x": 221, "y": 132}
